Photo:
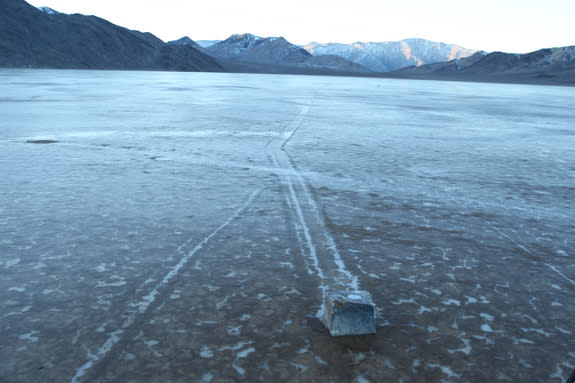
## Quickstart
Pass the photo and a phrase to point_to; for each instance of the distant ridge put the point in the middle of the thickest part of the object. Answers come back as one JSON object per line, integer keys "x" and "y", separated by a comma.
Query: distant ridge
{"x": 276, "y": 52}
{"x": 207, "y": 43}
{"x": 550, "y": 65}
{"x": 260, "y": 50}
{"x": 44, "y": 38}
{"x": 186, "y": 41}
{"x": 391, "y": 55}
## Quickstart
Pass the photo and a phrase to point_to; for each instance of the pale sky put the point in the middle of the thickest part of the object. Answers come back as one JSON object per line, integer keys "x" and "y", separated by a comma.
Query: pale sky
{"x": 515, "y": 26}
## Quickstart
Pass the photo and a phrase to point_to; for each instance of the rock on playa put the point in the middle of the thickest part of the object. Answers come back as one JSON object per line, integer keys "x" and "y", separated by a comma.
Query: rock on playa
{"x": 349, "y": 313}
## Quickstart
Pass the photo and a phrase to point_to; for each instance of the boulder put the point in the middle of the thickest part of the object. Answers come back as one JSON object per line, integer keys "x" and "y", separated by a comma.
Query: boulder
{"x": 349, "y": 313}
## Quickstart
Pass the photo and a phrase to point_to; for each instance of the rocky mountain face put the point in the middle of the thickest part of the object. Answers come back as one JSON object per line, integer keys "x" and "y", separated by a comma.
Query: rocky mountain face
{"x": 260, "y": 50}
{"x": 276, "y": 51}
{"x": 336, "y": 63}
{"x": 186, "y": 41}
{"x": 44, "y": 38}
{"x": 34, "y": 38}
{"x": 392, "y": 55}
{"x": 552, "y": 64}
{"x": 207, "y": 43}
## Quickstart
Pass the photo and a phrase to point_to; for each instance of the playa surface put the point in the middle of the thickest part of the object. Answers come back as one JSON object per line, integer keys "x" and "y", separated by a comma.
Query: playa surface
{"x": 183, "y": 227}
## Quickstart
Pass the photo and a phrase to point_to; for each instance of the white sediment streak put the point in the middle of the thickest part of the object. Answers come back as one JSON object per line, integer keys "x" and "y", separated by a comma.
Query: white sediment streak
{"x": 445, "y": 369}
{"x": 289, "y": 130}
{"x": 144, "y": 303}
{"x": 520, "y": 245}
{"x": 352, "y": 280}
{"x": 312, "y": 253}
{"x": 554, "y": 268}
{"x": 528, "y": 251}
{"x": 295, "y": 124}
{"x": 298, "y": 190}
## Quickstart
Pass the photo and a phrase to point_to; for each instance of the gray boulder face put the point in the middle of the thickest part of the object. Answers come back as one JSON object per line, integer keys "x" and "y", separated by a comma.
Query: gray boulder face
{"x": 349, "y": 313}
{"x": 33, "y": 38}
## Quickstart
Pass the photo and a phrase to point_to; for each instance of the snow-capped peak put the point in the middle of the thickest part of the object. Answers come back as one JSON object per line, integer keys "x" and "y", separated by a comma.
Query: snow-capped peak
{"x": 244, "y": 36}
{"x": 48, "y": 10}
{"x": 391, "y": 55}
{"x": 242, "y": 41}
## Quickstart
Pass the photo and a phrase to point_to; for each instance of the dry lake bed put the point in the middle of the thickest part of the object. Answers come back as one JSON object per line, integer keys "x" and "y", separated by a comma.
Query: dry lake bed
{"x": 184, "y": 227}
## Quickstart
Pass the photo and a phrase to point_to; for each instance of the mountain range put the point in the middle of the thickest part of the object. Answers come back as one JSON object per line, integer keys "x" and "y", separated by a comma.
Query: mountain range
{"x": 275, "y": 51}
{"x": 392, "y": 55}
{"x": 551, "y": 65}
{"x": 370, "y": 56}
{"x": 43, "y": 38}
